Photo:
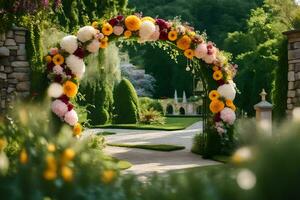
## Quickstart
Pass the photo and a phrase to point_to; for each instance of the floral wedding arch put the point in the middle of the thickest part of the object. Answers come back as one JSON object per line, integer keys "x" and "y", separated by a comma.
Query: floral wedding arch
{"x": 65, "y": 63}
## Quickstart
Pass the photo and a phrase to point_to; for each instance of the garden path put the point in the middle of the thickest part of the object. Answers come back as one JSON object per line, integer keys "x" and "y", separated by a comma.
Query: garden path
{"x": 147, "y": 161}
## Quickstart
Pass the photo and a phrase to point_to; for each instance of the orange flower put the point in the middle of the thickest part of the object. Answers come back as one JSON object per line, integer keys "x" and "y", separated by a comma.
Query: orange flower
{"x": 48, "y": 59}
{"x": 133, "y": 23}
{"x": 103, "y": 44}
{"x": 3, "y": 143}
{"x": 68, "y": 154}
{"x": 67, "y": 173}
{"x": 58, "y": 59}
{"x": 49, "y": 175}
{"x": 216, "y": 106}
{"x": 70, "y": 89}
{"x": 214, "y": 95}
{"x": 127, "y": 34}
{"x": 184, "y": 42}
{"x": 230, "y": 104}
{"x": 107, "y": 29}
{"x": 189, "y": 53}
{"x": 172, "y": 35}
{"x": 108, "y": 176}
{"x": 215, "y": 68}
{"x": 51, "y": 163}
{"x": 218, "y": 75}
{"x": 23, "y": 156}
{"x": 77, "y": 129}
{"x": 95, "y": 24}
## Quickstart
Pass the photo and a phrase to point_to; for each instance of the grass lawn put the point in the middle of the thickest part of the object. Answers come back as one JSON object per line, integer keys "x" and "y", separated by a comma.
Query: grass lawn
{"x": 155, "y": 147}
{"x": 122, "y": 164}
{"x": 172, "y": 123}
{"x": 106, "y": 133}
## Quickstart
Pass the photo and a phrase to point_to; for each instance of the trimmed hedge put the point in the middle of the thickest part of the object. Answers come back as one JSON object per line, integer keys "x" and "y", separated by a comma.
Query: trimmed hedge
{"x": 126, "y": 108}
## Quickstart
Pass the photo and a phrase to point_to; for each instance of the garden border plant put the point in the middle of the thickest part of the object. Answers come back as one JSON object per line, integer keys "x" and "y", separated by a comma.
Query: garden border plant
{"x": 65, "y": 67}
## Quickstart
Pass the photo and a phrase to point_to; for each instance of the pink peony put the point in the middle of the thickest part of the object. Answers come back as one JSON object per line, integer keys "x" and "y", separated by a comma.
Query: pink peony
{"x": 118, "y": 30}
{"x": 228, "y": 116}
{"x": 71, "y": 117}
{"x": 58, "y": 70}
{"x": 99, "y": 36}
{"x": 53, "y": 51}
{"x": 155, "y": 35}
{"x": 201, "y": 51}
{"x": 93, "y": 47}
{"x": 209, "y": 59}
{"x": 59, "y": 108}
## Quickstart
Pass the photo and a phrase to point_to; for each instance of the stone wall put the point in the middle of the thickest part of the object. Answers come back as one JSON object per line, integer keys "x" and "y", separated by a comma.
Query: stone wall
{"x": 14, "y": 67}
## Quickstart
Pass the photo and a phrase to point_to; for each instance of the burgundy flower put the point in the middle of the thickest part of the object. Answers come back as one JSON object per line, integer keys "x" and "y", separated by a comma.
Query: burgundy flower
{"x": 163, "y": 35}
{"x": 79, "y": 52}
{"x": 113, "y": 21}
{"x": 68, "y": 71}
{"x": 221, "y": 82}
{"x": 120, "y": 17}
{"x": 50, "y": 66}
{"x": 64, "y": 99}
{"x": 217, "y": 117}
{"x": 162, "y": 24}
{"x": 70, "y": 107}
{"x": 58, "y": 78}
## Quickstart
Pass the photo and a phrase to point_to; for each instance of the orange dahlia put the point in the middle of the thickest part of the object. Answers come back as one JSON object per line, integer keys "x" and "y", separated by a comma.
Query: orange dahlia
{"x": 214, "y": 95}
{"x": 172, "y": 35}
{"x": 133, "y": 23}
{"x": 127, "y": 34}
{"x": 77, "y": 129}
{"x": 229, "y": 103}
{"x": 189, "y": 53}
{"x": 107, "y": 29}
{"x": 103, "y": 44}
{"x": 216, "y": 106}
{"x": 70, "y": 89}
{"x": 218, "y": 75}
{"x": 58, "y": 59}
{"x": 184, "y": 42}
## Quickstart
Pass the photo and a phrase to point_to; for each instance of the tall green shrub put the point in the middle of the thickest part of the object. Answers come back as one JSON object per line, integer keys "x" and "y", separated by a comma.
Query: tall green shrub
{"x": 279, "y": 93}
{"x": 126, "y": 103}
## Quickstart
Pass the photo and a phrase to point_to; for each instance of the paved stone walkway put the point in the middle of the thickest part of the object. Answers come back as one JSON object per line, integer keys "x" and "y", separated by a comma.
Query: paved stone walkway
{"x": 147, "y": 161}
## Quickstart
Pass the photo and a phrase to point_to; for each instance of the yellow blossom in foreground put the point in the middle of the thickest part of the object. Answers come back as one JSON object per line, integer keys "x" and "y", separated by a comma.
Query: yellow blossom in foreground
{"x": 67, "y": 173}
{"x": 77, "y": 129}
{"x": 108, "y": 176}
{"x": 51, "y": 147}
{"x": 3, "y": 143}
{"x": 23, "y": 156}
{"x": 49, "y": 175}
{"x": 68, "y": 154}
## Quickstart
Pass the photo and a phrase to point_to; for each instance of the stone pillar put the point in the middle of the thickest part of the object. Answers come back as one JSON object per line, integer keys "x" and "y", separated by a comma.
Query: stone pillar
{"x": 14, "y": 67}
{"x": 293, "y": 93}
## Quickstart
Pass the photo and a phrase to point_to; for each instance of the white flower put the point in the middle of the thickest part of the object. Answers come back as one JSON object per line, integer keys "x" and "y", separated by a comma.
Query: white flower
{"x": 71, "y": 117}
{"x": 93, "y": 47}
{"x": 227, "y": 90}
{"x": 59, "y": 108}
{"x": 69, "y": 44}
{"x": 55, "y": 90}
{"x": 228, "y": 115}
{"x": 58, "y": 70}
{"x": 147, "y": 30}
{"x": 76, "y": 65}
{"x": 4, "y": 163}
{"x": 201, "y": 51}
{"x": 118, "y": 30}
{"x": 86, "y": 33}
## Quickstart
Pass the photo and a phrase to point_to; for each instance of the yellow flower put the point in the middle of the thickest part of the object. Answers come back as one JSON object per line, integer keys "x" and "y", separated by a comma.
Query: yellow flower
{"x": 77, "y": 129}
{"x": 216, "y": 106}
{"x": 107, "y": 29}
{"x": 217, "y": 75}
{"x": 70, "y": 89}
{"x": 172, "y": 35}
{"x": 214, "y": 95}
{"x": 108, "y": 176}
{"x": 51, "y": 148}
{"x": 68, "y": 154}
{"x": 103, "y": 44}
{"x": 230, "y": 104}
{"x": 67, "y": 173}
{"x": 3, "y": 143}
{"x": 184, "y": 42}
{"x": 58, "y": 59}
{"x": 127, "y": 34}
{"x": 216, "y": 68}
{"x": 23, "y": 156}
{"x": 51, "y": 163}
{"x": 192, "y": 33}
{"x": 48, "y": 59}
{"x": 148, "y": 19}
{"x": 133, "y": 23}
{"x": 95, "y": 24}
{"x": 189, "y": 53}
{"x": 49, "y": 175}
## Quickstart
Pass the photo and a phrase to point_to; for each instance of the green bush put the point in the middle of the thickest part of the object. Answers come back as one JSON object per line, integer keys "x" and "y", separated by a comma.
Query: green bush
{"x": 126, "y": 104}
{"x": 147, "y": 103}
{"x": 103, "y": 116}
{"x": 151, "y": 116}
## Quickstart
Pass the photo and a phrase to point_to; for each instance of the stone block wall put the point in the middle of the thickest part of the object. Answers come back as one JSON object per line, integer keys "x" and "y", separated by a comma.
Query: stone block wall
{"x": 14, "y": 67}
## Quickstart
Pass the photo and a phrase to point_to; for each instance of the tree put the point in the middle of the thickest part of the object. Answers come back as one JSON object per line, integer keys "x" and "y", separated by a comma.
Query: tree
{"x": 126, "y": 106}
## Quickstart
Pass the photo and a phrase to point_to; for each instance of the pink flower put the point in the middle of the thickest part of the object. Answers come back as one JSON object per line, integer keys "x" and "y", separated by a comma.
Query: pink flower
{"x": 71, "y": 117}
{"x": 228, "y": 116}
{"x": 201, "y": 50}
{"x": 58, "y": 70}
{"x": 53, "y": 51}
{"x": 209, "y": 59}
{"x": 59, "y": 108}
{"x": 118, "y": 30}
{"x": 155, "y": 35}
{"x": 99, "y": 36}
